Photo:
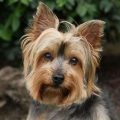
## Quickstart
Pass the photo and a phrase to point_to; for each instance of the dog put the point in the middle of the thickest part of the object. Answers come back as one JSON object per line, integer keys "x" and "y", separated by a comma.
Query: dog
{"x": 60, "y": 67}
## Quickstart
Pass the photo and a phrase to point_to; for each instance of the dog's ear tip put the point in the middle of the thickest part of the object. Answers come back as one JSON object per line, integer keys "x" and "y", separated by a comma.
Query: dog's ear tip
{"x": 42, "y": 20}
{"x": 41, "y": 4}
{"x": 101, "y": 22}
{"x": 92, "y": 30}
{"x": 96, "y": 21}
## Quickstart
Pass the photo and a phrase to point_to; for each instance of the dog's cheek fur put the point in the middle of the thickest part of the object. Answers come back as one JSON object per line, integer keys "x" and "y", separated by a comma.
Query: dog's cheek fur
{"x": 36, "y": 79}
{"x": 75, "y": 84}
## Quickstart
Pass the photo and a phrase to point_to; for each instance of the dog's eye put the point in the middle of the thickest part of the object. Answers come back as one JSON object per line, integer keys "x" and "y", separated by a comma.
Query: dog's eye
{"x": 73, "y": 61}
{"x": 48, "y": 56}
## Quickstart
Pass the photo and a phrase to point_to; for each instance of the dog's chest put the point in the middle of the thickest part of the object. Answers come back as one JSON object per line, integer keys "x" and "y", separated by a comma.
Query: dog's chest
{"x": 72, "y": 113}
{"x": 91, "y": 109}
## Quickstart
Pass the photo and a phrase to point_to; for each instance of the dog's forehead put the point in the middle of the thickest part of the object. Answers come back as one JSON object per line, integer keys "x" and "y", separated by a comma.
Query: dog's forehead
{"x": 52, "y": 37}
{"x": 73, "y": 42}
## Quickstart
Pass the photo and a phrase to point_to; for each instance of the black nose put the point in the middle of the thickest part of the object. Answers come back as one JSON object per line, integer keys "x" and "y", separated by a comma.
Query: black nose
{"x": 58, "y": 79}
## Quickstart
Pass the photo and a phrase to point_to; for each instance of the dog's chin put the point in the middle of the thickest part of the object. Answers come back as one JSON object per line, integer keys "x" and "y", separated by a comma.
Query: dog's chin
{"x": 50, "y": 94}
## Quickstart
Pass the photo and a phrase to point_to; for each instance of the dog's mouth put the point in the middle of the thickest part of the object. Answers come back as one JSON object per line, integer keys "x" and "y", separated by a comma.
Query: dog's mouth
{"x": 50, "y": 94}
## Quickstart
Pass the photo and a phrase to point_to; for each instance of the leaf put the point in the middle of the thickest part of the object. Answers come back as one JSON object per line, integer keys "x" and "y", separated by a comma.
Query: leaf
{"x": 26, "y": 2}
{"x": 106, "y": 5}
{"x": 10, "y": 2}
{"x": 15, "y": 24}
{"x": 15, "y": 17}
{"x": 116, "y": 17}
{"x": 91, "y": 8}
{"x": 5, "y": 34}
{"x": 61, "y": 3}
{"x": 72, "y": 2}
{"x": 108, "y": 8}
{"x": 81, "y": 10}
{"x": 1, "y": 0}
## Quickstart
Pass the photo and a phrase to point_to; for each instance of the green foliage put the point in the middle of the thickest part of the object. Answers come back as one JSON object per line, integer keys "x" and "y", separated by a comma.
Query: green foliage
{"x": 11, "y": 23}
{"x": 15, "y": 15}
{"x": 73, "y": 10}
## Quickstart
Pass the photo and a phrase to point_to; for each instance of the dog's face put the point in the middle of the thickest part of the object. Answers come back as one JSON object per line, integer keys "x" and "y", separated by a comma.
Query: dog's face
{"x": 60, "y": 67}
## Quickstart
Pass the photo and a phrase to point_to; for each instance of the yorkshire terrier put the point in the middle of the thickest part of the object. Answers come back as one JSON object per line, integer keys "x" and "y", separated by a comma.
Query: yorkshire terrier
{"x": 60, "y": 67}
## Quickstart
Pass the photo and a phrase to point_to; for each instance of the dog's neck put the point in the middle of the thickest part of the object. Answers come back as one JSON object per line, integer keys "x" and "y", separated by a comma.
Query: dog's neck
{"x": 91, "y": 109}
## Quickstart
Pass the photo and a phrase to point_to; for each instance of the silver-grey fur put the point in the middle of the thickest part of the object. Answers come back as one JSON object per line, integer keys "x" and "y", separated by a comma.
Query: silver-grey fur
{"x": 92, "y": 109}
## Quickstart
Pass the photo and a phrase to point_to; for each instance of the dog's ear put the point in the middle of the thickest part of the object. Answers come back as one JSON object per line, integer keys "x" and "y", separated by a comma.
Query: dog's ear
{"x": 43, "y": 20}
{"x": 92, "y": 31}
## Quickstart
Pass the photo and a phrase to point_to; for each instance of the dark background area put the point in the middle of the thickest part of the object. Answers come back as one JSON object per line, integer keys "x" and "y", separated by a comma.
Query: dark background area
{"x": 15, "y": 15}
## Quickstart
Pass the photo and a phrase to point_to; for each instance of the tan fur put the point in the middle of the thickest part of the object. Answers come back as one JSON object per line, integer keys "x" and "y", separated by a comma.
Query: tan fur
{"x": 83, "y": 42}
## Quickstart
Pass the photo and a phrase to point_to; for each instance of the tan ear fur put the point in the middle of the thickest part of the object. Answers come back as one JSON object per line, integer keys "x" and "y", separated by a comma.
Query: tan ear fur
{"x": 43, "y": 20}
{"x": 92, "y": 31}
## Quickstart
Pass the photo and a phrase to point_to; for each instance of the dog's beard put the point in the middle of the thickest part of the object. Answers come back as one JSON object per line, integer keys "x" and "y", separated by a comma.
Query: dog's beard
{"x": 42, "y": 88}
{"x": 50, "y": 94}
{"x": 44, "y": 91}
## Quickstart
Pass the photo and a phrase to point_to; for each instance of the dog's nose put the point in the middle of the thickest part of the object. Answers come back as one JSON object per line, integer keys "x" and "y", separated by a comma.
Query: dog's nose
{"x": 58, "y": 79}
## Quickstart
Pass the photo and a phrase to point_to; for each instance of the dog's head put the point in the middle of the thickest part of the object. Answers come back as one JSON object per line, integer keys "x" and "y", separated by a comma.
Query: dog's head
{"x": 60, "y": 66}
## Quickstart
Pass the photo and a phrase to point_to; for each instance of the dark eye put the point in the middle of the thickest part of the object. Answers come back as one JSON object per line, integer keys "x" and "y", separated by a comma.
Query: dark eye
{"x": 73, "y": 61}
{"x": 48, "y": 56}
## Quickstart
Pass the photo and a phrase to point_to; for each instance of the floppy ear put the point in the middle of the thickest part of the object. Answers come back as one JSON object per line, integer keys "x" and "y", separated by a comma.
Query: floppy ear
{"x": 43, "y": 20}
{"x": 92, "y": 31}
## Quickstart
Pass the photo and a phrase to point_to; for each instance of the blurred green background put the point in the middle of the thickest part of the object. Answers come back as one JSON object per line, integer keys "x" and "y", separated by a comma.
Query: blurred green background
{"x": 16, "y": 14}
